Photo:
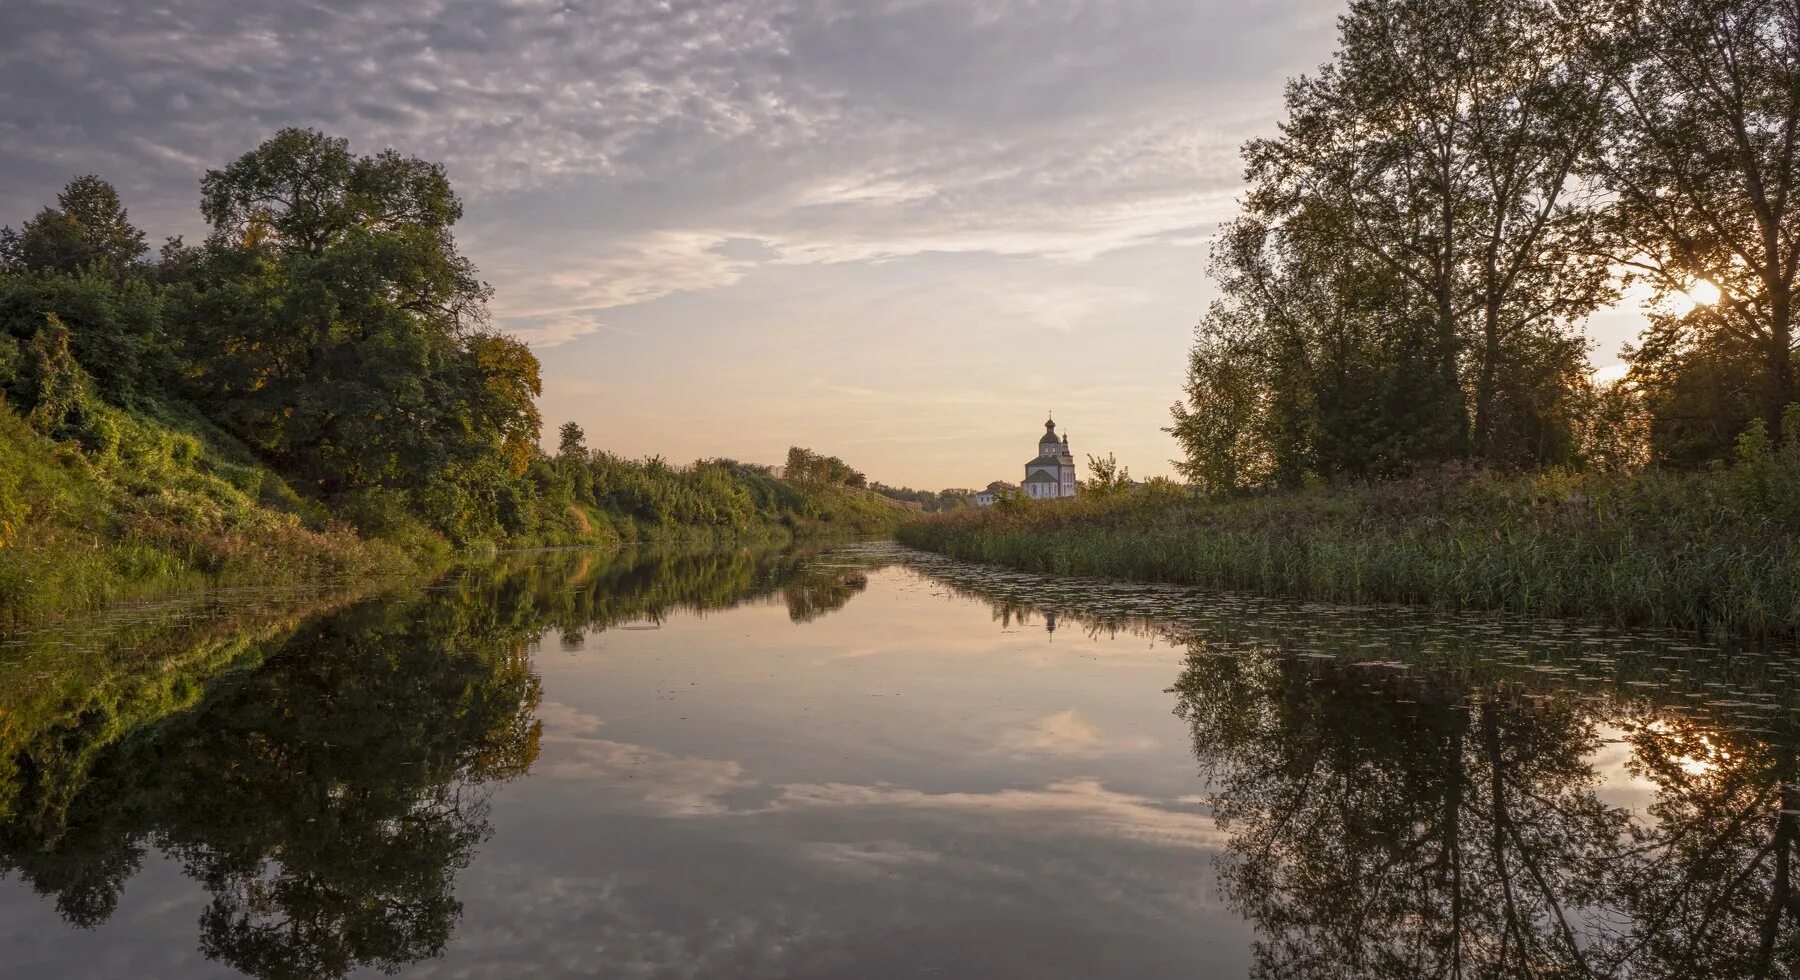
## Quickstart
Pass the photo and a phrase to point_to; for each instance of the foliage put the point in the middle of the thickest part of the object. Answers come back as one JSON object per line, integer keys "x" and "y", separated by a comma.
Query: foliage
{"x": 807, "y": 467}
{"x": 163, "y": 500}
{"x": 314, "y": 389}
{"x": 113, "y": 329}
{"x": 332, "y": 324}
{"x": 929, "y": 501}
{"x": 88, "y": 231}
{"x": 1107, "y": 479}
{"x": 1709, "y": 549}
{"x": 650, "y": 499}
{"x": 1702, "y": 102}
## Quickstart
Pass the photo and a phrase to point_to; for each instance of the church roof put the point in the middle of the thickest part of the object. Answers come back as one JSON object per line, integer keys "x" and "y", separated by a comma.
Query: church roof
{"x": 1040, "y": 477}
{"x": 1063, "y": 459}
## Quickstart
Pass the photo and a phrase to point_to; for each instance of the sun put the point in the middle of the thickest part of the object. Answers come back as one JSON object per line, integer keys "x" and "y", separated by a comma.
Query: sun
{"x": 1703, "y": 293}
{"x": 1700, "y": 292}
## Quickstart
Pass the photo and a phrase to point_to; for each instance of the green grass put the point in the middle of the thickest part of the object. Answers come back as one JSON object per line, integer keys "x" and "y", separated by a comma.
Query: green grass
{"x": 1716, "y": 550}
{"x": 173, "y": 503}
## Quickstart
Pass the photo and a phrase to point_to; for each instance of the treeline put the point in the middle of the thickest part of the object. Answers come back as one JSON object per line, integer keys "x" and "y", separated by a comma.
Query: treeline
{"x": 1451, "y": 198}
{"x": 589, "y": 491}
{"x": 320, "y": 372}
{"x": 930, "y": 501}
{"x": 805, "y": 466}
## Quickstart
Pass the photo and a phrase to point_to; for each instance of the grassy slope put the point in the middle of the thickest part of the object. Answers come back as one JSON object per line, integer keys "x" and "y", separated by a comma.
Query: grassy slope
{"x": 175, "y": 502}
{"x": 180, "y": 503}
{"x": 1700, "y": 550}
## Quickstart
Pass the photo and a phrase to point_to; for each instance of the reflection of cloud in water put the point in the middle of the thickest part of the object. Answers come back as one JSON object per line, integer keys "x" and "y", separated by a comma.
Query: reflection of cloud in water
{"x": 599, "y": 926}
{"x": 1066, "y": 733}
{"x": 1086, "y": 802}
{"x": 669, "y": 784}
{"x": 871, "y": 857}
{"x": 566, "y": 720}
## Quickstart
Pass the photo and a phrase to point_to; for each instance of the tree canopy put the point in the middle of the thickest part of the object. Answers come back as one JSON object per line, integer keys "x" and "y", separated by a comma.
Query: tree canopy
{"x": 1451, "y": 197}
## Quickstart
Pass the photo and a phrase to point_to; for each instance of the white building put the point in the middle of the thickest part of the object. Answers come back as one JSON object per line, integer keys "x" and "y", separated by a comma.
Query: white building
{"x": 1052, "y": 473}
{"x": 993, "y": 493}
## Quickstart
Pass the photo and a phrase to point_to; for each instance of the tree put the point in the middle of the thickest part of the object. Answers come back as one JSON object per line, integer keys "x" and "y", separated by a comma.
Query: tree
{"x": 335, "y": 326}
{"x": 1106, "y": 477}
{"x": 571, "y": 441}
{"x": 1318, "y": 361}
{"x": 115, "y": 327}
{"x": 1417, "y": 205}
{"x": 88, "y": 231}
{"x": 1702, "y": 102}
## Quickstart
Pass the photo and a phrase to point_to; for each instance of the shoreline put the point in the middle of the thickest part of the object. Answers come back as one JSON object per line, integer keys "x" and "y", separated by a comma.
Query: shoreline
{"x": 1671, "y": 551}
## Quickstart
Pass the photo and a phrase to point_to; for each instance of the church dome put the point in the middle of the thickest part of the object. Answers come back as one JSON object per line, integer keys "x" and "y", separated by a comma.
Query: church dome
{"x": 1049, "y": 434}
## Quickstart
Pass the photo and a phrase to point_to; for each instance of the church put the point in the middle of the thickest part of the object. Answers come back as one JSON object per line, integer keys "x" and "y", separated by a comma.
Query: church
{"x": 1052, "y": 473}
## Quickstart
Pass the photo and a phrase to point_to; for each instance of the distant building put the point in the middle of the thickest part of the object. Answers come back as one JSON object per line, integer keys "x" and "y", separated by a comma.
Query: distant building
{"x": 1052, "y": 473}
{"x": 1049, "y": 475}
{"x": 994, "y": 491}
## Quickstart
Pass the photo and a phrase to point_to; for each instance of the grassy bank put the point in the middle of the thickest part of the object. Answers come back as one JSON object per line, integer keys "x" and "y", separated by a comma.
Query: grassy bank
{"x": 1717, "y": 550}
{"x": 168, "y": 501}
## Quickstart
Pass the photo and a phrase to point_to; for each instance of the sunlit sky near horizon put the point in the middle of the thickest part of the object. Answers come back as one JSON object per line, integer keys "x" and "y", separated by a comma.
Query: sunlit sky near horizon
{"x": 898, "y": 231}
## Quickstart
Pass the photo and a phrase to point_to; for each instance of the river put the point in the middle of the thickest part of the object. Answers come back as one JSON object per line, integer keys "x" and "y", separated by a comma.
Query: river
{"x": 867, "y": 762}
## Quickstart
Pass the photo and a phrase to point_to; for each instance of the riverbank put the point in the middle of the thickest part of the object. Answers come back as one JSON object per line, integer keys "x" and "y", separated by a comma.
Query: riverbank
{"x": 1716, "y": 551}
{"x": 170, "y": 503}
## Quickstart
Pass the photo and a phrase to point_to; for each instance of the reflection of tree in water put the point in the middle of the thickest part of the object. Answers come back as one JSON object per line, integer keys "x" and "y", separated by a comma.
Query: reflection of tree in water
{"x": 576, "y": 593}
{"x": 324, "y": 801}
{"x": 820, "y": 591}
{"x": 327, "y": 798}
{"x": 1714, "y": 892}
{"x": 1388, "y": 824}
{"x": 1437, "y": 812}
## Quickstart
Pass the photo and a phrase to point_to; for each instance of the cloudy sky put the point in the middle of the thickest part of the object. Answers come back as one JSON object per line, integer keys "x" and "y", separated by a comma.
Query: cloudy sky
{"x": 895, "y": 230}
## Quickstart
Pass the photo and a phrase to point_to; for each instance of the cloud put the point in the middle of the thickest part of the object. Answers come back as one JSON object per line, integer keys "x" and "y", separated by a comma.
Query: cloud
{"x": 613, "y": 152}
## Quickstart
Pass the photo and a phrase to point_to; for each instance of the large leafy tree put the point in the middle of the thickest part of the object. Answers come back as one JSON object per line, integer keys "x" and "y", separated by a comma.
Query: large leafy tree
{"x": 1316, "y": 361}
{"x": 1413, "y": 246}
{"x": 1703, "y": 115}
{"x": 333, "y": 323}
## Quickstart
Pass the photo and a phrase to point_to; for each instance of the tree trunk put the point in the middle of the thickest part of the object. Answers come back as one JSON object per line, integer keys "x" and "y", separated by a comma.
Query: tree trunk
{"x": 1485, "y": 379}
{"x": 1782, "y": 392}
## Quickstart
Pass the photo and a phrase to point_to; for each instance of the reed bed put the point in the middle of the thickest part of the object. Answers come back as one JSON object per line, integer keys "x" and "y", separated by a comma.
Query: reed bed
{"x": 1717, "y": 551}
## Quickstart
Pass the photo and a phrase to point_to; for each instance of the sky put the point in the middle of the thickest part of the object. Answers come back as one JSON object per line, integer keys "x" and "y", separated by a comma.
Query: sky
{"x": 896, "y": 231}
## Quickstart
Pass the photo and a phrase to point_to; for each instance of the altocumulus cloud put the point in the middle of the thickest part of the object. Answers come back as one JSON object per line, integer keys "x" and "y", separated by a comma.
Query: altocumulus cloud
{"x": 612, "y": 151}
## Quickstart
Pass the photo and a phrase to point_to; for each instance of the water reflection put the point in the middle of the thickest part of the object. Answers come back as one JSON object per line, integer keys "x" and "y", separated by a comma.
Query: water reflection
{"x": 924, "y": 783}
{"x": 323, "y": 773}
{"x": 1414, "y": 796}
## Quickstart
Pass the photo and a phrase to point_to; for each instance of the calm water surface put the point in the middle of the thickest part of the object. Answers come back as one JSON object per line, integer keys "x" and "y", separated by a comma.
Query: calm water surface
{"x": 866, "y": 762}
